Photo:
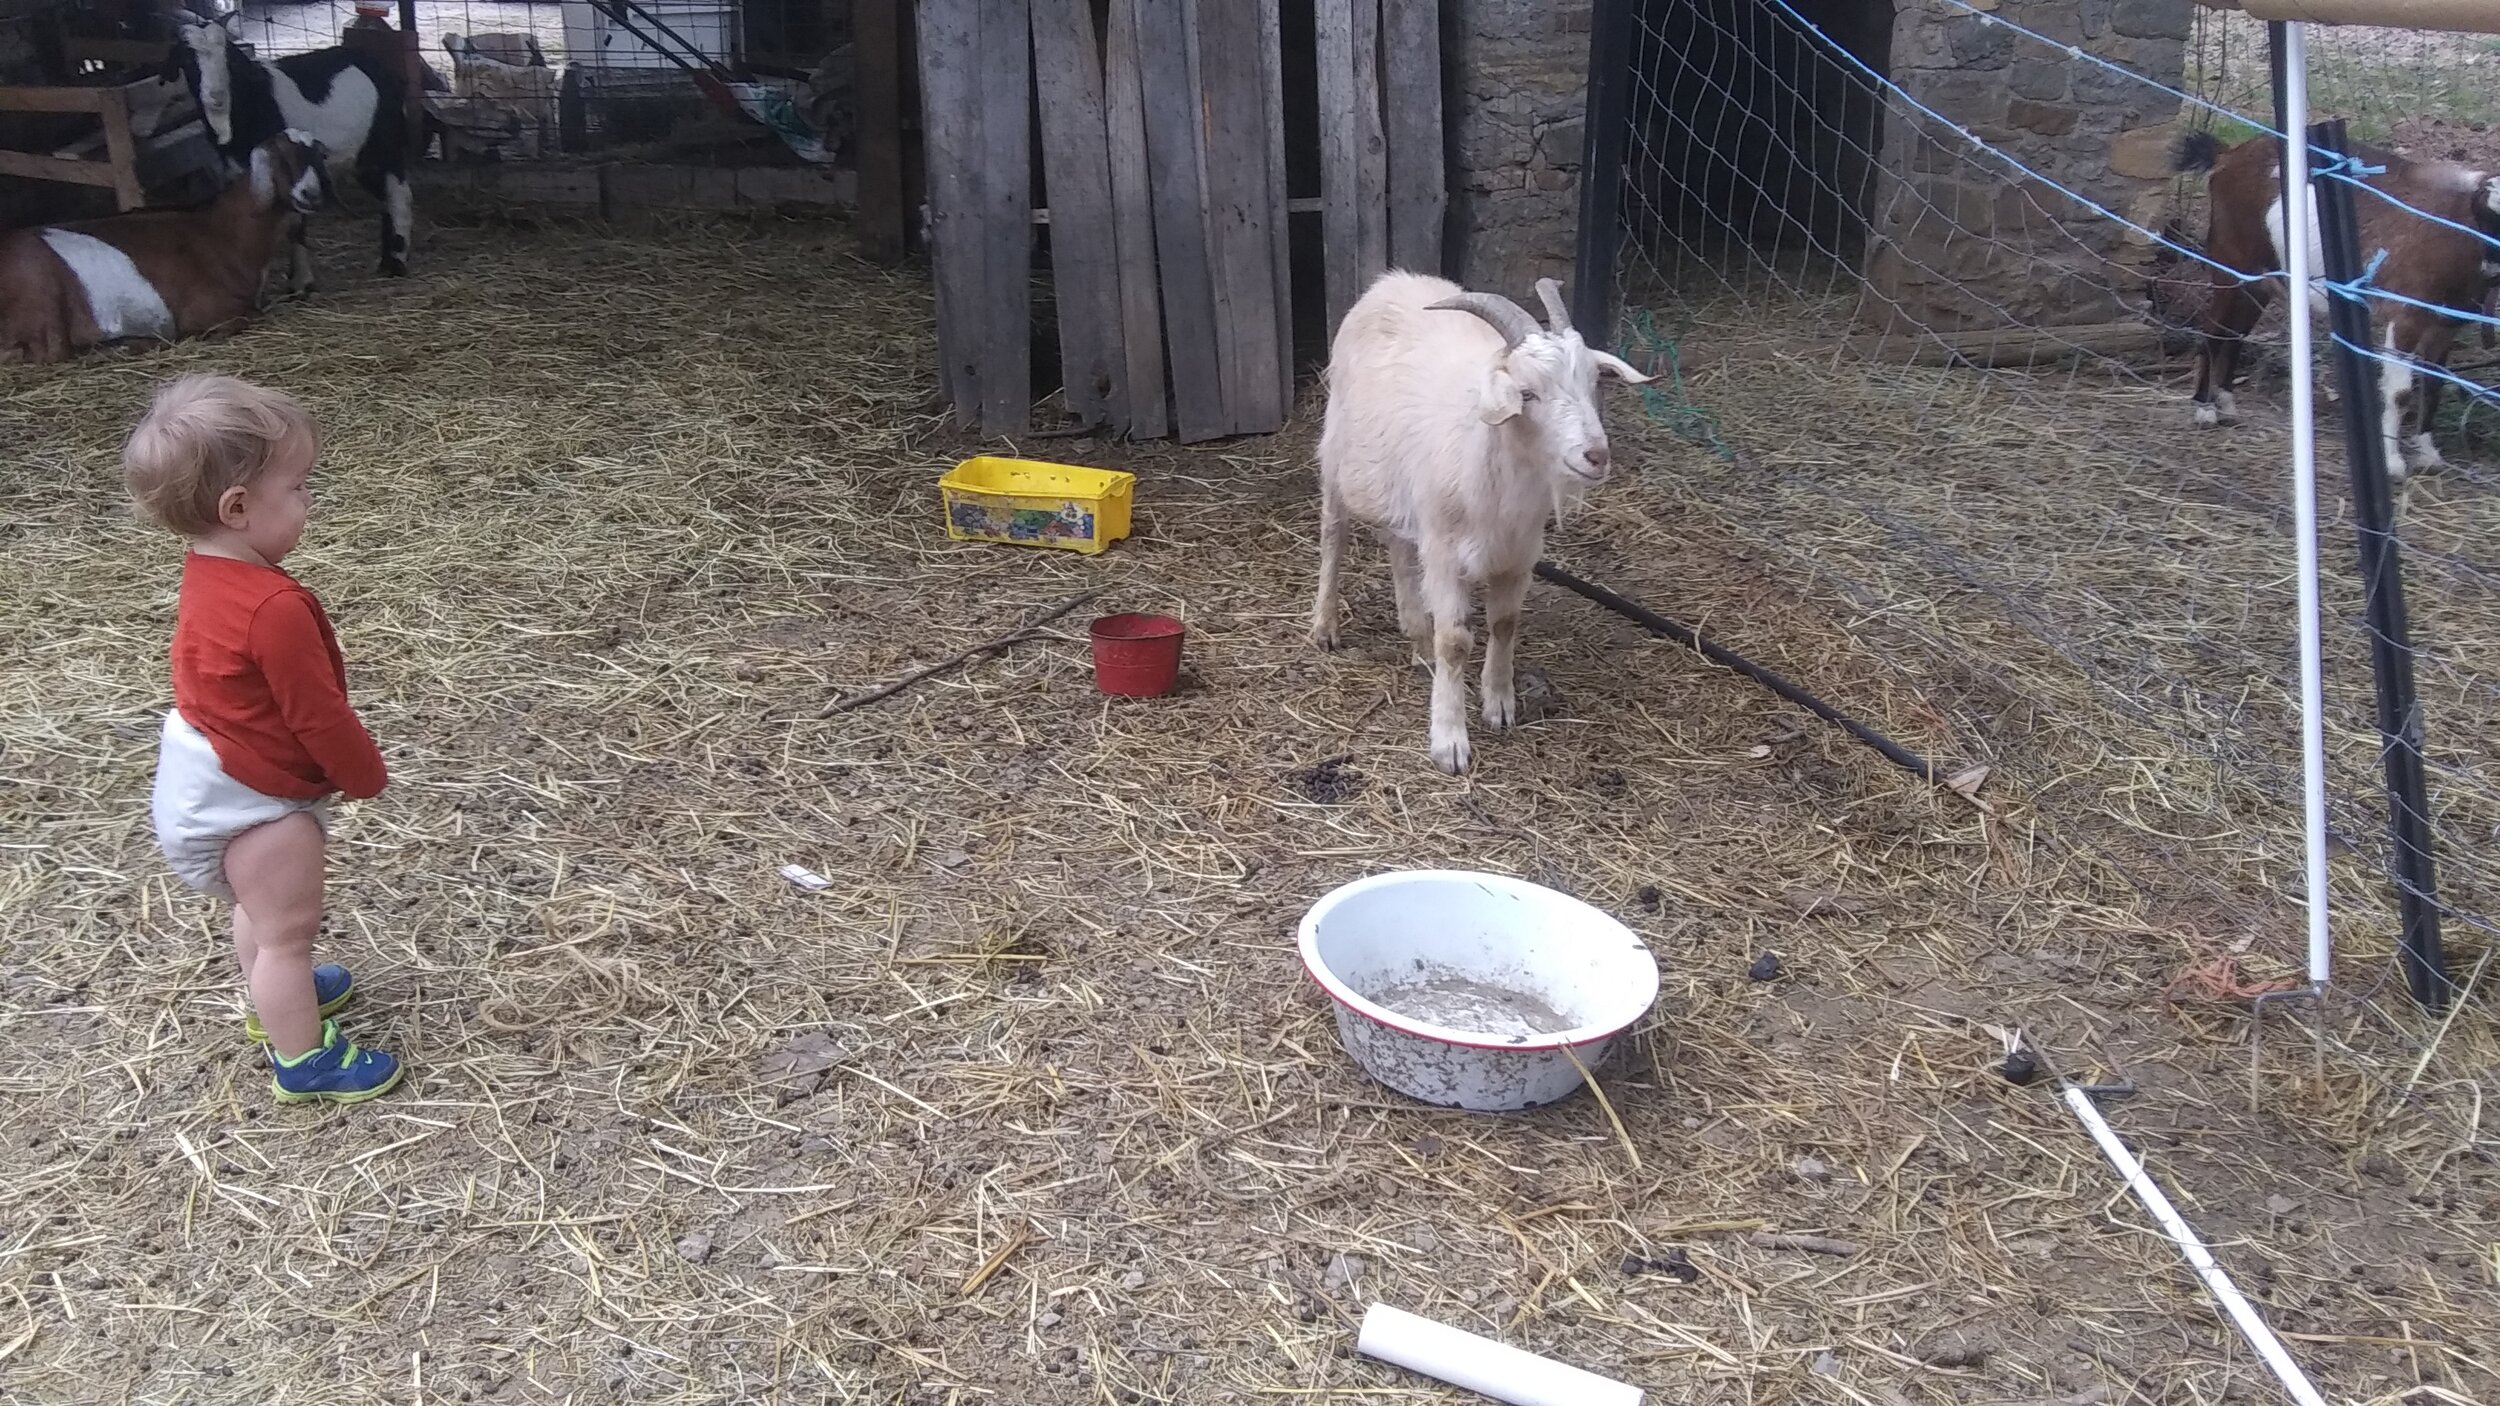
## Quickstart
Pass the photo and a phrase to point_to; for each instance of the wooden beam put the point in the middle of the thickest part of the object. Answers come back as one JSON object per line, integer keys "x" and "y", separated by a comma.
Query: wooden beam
{"x": 950, "y": 86}
{"x": 1242, "y": 212}
{"x": 2460, "y": 16}
{"x": 56, "y": 168}
{"x": 122, "y": 151}
{"x": 1410, "y": 104}
{"x": 1176, "y": 160}
{"x": 2012, "y": 346}
{"x": 1354, "y": 218}
{"x": 1272, "y": 69}
{"x": 1084, "y": 249}
{"x": 1133, "y": 225}
{"x": 1340, "y": 224}
{"x": 54, "y": 99}
{"x": 876, "y": 66}
{"x": 1371, "y": 148}
{"x": 1005, "y": 192}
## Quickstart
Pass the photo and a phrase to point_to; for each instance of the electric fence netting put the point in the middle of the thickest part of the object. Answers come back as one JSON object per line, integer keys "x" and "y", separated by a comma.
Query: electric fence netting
{"x": 1922, "y": 289}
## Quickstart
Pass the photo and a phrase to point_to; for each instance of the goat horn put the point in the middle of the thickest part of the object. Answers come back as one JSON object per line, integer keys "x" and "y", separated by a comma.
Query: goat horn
{"x": 1556, "y": 315}
{"x": 1507, "y": 317}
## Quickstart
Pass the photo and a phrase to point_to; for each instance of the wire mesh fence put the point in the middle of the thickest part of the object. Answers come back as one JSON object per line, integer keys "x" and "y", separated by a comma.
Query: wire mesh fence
{"x": 1922, "y": 289}
{"x": 526, "y": 79}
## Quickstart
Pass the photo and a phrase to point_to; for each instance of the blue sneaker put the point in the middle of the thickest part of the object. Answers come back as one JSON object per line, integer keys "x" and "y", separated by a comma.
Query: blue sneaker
{"x": 331, "y": 988}
{"x": 340, "y": 1071}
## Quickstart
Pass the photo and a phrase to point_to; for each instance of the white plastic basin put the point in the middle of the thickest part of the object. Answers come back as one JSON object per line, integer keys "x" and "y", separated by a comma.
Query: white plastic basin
{"x": 1466, "y": 990}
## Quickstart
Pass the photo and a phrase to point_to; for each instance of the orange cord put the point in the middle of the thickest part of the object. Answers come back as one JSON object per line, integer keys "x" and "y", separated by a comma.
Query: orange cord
{"x": 2218, "y": 980}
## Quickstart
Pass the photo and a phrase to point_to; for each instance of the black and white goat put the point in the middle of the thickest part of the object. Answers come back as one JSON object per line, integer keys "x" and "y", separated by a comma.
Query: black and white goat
{"x": 347, "y": 100}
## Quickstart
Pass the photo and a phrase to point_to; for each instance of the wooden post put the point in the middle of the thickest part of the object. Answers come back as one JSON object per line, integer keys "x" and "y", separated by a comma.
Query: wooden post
{"x": 1084, "y": 252}
{"x": 1410, "y": 104}
{"x": 1133, "y": 224}
{"x": 412, "y": 102}
{"x": 877, "y": 69}
{"x": 113, "y": 105}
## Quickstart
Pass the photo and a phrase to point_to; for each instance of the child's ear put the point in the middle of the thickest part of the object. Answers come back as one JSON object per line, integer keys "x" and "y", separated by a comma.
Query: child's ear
{"x": 1498, "y": 398}
{"x": 230, "y": 506}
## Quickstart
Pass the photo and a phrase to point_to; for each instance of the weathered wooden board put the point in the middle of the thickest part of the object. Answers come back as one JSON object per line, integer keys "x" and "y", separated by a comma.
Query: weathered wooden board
{"x": 1005, "y": 95}
{"x": 950, "y": 85}
{"x": 1076, "y": 173}
{"x": 1353, "y": 156}
{"x": 1272, "y": 66}
{"x": 1371, "y": 148}
{"x": 1133, "y": 225}
{"x": 877, "y": 47}
{"x": 1242, "y": 210}
{"x": 1410, "y": 64}
{"x": 1176, "y": 160}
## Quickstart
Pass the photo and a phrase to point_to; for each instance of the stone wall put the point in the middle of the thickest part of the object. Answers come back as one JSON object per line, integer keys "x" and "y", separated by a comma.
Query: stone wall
{"x": 1962, "y": 240}
{"x": 1517, "y": 91}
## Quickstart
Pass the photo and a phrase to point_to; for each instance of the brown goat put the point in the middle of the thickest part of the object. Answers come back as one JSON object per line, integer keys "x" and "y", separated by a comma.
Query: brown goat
{"x": 2431, "y": 263}
{"x": 153, "y": 274}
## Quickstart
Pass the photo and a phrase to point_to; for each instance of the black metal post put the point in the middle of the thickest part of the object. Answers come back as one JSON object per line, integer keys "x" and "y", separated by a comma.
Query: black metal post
{"x": 1611, "y": 27}
{"x": 2382, "y": 584}
{"x": 2274, "y": 71}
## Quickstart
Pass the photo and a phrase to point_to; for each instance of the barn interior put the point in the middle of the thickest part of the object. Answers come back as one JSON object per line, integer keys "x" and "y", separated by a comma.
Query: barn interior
{"x": 1753, "y": 126}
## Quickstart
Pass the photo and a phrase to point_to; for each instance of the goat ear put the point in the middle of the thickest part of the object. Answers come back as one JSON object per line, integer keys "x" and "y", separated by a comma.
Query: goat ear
{"x": 1616, "y": 366}
{"x": 264, "y": 178}
{"x": 1498, "y": 398}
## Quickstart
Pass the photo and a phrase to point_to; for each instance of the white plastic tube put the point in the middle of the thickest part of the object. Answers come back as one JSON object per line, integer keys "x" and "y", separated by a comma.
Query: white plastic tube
{"x": 2252, "y": 1327}
{"x": 1480, "y": 1364}
{"x": 2299, "y": 214}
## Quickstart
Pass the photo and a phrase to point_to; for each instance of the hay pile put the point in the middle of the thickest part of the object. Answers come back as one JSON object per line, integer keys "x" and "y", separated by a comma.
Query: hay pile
{"x": 1032, "y": 1103}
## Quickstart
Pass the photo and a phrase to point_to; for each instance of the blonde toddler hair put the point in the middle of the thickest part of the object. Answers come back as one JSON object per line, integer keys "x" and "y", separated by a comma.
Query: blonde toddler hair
{"x": 202, "y": 435}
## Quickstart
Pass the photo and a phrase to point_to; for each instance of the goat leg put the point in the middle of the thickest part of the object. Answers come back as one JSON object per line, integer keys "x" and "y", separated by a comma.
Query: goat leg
{"x": 1406, "y": 571}
{"x": 1445, "y": 594}
{"x": 1332, "y": 534}
{"x": 1504, "y": 594}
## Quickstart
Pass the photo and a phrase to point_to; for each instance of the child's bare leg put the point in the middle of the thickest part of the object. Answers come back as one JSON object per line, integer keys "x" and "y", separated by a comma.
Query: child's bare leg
{"x": 246, "y": 950}
{"x": 276, "y": 873}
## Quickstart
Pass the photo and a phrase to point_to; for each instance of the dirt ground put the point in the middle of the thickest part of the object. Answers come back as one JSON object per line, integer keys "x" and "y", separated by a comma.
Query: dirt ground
{"x": 1033, "y": 1103}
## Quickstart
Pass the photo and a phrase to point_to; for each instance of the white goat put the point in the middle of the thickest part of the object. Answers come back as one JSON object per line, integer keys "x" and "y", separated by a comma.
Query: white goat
{"x": 1456, "y": 426}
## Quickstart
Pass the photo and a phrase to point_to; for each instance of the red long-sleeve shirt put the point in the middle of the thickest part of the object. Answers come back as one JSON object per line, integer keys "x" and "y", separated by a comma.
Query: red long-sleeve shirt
{"x": 258, "y": 672}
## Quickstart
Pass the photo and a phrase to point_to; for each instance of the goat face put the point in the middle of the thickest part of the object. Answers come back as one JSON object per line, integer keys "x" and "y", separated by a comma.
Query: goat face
{"x": 202, "y": 58}
{"x": 1543, "y": 387}
{"x": 2486, "y": 207}
{"x": 287, "y": 167}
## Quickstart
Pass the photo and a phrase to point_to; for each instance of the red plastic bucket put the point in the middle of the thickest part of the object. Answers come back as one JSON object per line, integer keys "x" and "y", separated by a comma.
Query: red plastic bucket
{"x": 1138, "y": 656}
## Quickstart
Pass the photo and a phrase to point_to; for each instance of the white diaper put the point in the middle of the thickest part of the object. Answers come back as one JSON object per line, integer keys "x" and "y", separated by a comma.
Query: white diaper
{"x": 199, "y": 808}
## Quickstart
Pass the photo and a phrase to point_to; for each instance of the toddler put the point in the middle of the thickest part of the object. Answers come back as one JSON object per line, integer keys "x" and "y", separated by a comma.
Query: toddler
{"x": 261, "y": 732}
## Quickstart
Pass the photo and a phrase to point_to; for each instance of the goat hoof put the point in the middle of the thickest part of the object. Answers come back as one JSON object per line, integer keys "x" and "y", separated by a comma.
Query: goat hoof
{"x": 1501, "y": 714}
{"x": 1451, "y": 755}
{"x": 2207, "y": 417}
{"x": 2420, "y": 453}
{"x": 1324, "y": 636}
{"x": 394, "y": 268}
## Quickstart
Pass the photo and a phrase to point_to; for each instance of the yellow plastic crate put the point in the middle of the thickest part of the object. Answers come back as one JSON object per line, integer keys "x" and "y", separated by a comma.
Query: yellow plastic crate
{"x": 1036, "y": 504}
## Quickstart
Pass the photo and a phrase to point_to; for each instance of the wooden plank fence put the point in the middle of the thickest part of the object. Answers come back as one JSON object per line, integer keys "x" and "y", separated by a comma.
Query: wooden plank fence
{"x": 1163, "y": 176}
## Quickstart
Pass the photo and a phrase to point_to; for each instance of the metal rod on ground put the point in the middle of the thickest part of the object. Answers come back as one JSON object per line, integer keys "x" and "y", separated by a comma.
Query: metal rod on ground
{"x": 2251, "y": 1326}
{"x": 1601, "y": 171}
{"x": 2382, "y": 584}
{"x": 1716, "y": 653}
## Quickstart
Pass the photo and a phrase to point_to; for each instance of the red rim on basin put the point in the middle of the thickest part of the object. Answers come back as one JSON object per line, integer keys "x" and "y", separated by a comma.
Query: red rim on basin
{"x": 1138, "y": 656}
